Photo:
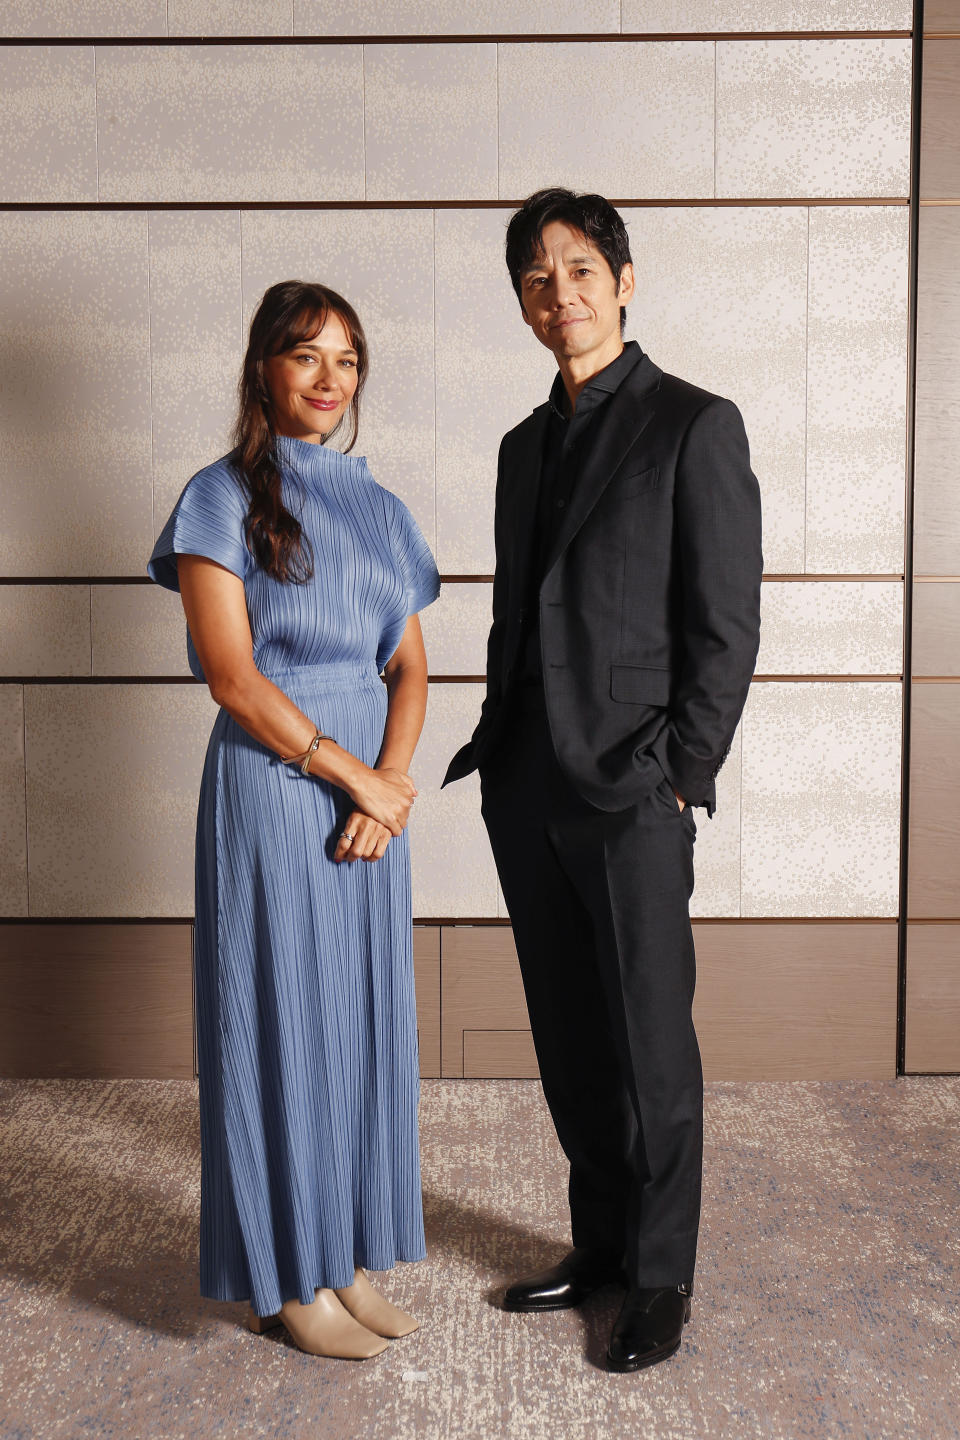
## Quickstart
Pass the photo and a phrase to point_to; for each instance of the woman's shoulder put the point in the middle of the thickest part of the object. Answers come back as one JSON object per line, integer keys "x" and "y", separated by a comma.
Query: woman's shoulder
{"x": 220, "y": 479}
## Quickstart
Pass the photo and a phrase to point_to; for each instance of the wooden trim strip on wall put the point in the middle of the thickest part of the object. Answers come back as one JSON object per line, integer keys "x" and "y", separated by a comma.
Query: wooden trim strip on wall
{"x": 768, "y": 577}
{"x": 634, "y": 203}
{"x": 594, "y": 37}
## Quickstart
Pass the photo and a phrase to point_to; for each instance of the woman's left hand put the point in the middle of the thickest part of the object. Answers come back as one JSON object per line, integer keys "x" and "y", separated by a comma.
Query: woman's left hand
{"x": 370, "y": 838}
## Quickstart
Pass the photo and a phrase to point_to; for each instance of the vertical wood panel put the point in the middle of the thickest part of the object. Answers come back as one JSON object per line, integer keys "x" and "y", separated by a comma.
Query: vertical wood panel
{"x": 934, "y": 889}
{"x": 940, "y": 138}
{"x": 936, "y": 629}
{"x": 426, "y": 962}
{"x": 933, "y": 998}
{"x": 937, "y": 472}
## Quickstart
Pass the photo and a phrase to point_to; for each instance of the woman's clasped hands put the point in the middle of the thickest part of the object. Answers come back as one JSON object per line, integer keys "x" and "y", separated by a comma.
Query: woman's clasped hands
{"x": 383, "y": 799}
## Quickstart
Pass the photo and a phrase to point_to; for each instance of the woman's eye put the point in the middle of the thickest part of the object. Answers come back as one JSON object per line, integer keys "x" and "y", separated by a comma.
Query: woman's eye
{"x": 350, "y": 364}
{"x": 305, "y": 359}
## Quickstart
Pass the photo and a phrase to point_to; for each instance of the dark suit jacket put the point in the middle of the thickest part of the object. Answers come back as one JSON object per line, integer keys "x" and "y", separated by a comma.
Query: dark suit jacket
{"x": 650, "y": 603}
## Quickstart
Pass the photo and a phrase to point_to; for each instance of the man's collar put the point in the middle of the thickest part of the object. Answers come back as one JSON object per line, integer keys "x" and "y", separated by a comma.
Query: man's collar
{"x": 607, "y": 380}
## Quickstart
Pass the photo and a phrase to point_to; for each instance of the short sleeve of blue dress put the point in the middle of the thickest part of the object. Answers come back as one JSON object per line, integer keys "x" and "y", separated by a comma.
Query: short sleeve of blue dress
{"x": 417, "y": 566}
{"x": 208, "y": 520}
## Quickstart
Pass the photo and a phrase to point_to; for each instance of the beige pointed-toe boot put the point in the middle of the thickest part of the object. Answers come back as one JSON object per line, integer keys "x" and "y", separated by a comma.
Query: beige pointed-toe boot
{"x": 372, "y": 1310}
{"x": 324, "y": 1328}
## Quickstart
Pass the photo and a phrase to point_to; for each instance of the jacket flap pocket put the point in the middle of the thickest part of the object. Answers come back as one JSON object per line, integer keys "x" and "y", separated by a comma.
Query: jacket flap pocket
{"x": 640, "y": 684}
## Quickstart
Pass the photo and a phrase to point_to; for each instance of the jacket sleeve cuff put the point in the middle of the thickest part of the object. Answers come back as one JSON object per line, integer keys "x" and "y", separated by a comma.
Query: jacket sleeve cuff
{"x": 691, "y": 776}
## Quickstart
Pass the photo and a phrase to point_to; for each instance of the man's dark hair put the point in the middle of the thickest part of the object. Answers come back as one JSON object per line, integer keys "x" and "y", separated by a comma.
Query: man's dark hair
{"x": 592, "y": 215}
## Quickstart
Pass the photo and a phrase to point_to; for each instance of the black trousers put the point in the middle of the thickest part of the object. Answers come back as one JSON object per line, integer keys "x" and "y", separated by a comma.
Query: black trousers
{"x": 600, "y": 908}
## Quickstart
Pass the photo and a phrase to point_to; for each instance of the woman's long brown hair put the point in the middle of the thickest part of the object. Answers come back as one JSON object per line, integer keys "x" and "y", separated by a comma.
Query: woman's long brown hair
{"x": 289, "y": 313}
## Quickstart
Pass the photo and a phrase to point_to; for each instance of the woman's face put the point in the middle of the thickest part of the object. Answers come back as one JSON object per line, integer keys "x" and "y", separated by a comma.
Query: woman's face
{"x": 312, "y": 385}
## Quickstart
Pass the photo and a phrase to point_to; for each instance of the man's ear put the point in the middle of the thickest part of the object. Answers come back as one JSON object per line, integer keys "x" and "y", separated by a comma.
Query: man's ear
{"x": 628, "y": 285}
{"x": 526, "y": 317}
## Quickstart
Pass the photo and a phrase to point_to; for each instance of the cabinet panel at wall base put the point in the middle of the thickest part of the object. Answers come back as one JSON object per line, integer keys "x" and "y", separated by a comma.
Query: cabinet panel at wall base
{"x": 111, "y": 1001}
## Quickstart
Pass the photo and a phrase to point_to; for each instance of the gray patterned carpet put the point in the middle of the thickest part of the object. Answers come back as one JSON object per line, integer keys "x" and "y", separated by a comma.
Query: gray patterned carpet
{"x": 827, "y": 1301}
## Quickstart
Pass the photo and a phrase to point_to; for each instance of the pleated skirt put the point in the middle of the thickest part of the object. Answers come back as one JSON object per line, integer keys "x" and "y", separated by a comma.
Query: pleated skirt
{"x": 306, "y": 1017}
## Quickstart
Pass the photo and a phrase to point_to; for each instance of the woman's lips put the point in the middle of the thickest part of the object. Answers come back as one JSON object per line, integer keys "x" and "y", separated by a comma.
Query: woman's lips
{"x": 323, "y": 404}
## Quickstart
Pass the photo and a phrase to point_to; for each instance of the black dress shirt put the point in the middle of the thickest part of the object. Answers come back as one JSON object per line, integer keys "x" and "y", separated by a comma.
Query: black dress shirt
{"x": 563, "y": 447}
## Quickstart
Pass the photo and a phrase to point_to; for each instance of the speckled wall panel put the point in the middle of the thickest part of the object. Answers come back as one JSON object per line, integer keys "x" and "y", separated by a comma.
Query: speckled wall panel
{"x": 75, "y": 473}
{"x": 13, "y": 813}
{"x": 857, "y": 389}
{"x": 455, "y": 629}
{"x": 196, "y": 346}
{"x": 137, "y": 630}
{"x": 439, "y": 17}
{"x": 934, "y": 888}
{"x": 657, "y": 139}
{"x": 230, "y": 17}
{"x": 44, "y": 630}
{"x": 937, "y": 471}
{"x": 720, "y": 15}
{"x": 827, "y": 627}
{"x": 60, "y": 18}
{"x": 102, "y": 1001}
{"x": 933, "y": 998}
{"x": 453, "y": 869}
{"x": 813, "y": 117}
{"x": 821, "y": 799}
{"x": 111, "y": 816}
{"x": 430, "y": 121}
{"x": 230, "y": 122}
{"x": 936, "y": 626}
{"x": 491, "y": 372}
{"x": 940, "y": 144}
{"x": 722, "y": 301}
{"x": 48, "y": 123}
{"x": 382, "y": 261}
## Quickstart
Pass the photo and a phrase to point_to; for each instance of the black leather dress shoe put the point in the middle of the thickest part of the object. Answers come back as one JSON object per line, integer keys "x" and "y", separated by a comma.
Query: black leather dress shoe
{"x": 576, "y": 1277}
{"x": 649, "y": 1328}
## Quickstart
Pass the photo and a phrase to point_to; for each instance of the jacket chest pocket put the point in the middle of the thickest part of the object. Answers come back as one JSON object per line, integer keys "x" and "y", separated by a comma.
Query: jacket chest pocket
{"x": 638, "y": 482}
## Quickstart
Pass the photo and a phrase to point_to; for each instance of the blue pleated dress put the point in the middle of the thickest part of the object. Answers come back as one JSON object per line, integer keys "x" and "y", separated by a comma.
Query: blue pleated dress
{"x": 306, "y": 1018}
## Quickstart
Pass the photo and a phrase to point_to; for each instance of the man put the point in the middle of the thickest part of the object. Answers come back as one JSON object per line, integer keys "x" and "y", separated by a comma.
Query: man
{"x": 625, "y": 632}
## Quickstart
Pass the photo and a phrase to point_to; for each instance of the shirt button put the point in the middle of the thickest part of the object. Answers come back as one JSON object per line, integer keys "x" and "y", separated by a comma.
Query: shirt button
{"x": 560, "y": 504}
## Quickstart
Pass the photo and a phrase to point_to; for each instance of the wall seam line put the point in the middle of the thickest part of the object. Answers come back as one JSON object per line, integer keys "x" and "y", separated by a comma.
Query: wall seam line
{"x": 716, "y": 63}
{"x": 806, "y": 393}
{"x": 363, "y": 116}
{"x": 153, "y": 434}
{"x": 96, "y": 122}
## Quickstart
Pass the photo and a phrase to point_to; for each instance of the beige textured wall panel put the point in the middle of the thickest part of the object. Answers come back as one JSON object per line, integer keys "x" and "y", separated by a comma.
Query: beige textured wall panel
{"x": 453, "y": 869}
{"x": 430, "y": 121}
{"x": 111, "y": 817}
{"x": 439, "y": 17}
{"x": 656, "y": 140}
{"x": 44, "y": 630}
{"x": 716, "y": 859}
{"x": 48, "y": 123}
{"x": 75, "y": 475}
{"x": 937, "y": 470}
{"x": 933, "y": 998}
{"x": 697, "y": 268}
{"x": 102, "y": 1001}
{"x": 934, "y": 889}
{"x": 455, "y": 630}
{"x": 857, "y": 388}
{"x": 227, "y": 122}
{"x": 196, "y": 346}
{"x": 936, "y": 628}
{"x": 481, "y": 339}
{"x": 813, "y": 117}
{"x": 382, "y": 262}
{"x": 708, "y": 15}
{"x": 841, "y": 627}
{"x": 821, "y": 800}
{"x": 138, "y": 630}
{"x": 60, "y": 18}
{"x": 13, "y": 811}
{"x": 230, "y": 17}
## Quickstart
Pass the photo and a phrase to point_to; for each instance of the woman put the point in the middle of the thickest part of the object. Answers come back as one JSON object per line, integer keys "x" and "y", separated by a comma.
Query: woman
{"x": 301, "y": 580}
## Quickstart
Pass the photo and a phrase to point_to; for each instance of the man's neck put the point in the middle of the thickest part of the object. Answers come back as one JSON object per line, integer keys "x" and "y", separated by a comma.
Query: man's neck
{"x": 578, "y": 370}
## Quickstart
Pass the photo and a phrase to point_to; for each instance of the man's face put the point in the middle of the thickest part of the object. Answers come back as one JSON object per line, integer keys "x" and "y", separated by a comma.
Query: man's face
{"x": 569, "y": 297}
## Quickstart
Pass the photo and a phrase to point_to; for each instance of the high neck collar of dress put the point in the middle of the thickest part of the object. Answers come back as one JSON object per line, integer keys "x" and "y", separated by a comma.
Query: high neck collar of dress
{"x": 306, "y": 456}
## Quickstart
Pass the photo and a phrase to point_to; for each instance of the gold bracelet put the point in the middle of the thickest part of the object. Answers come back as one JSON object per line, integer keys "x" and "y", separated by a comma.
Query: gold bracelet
{"x": 303, "y": 759}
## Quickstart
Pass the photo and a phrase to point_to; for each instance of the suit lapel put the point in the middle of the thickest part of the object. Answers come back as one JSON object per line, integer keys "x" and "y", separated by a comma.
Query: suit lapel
{"x": 524, "y": 481}
{"x": 627, "y": 415}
